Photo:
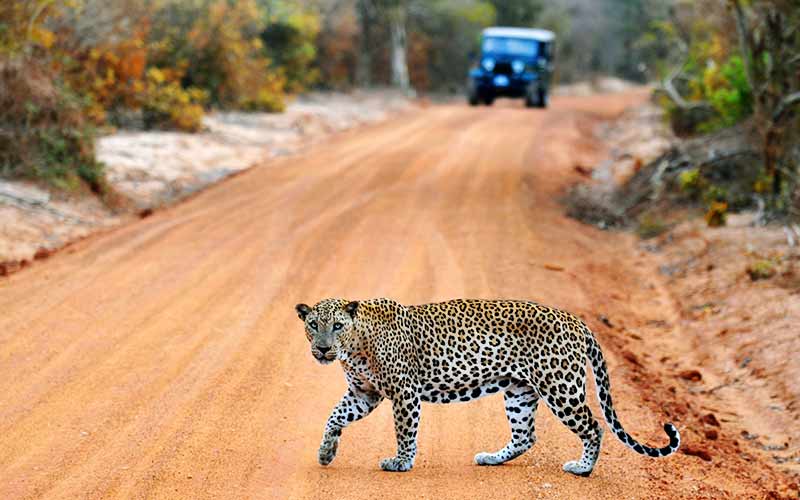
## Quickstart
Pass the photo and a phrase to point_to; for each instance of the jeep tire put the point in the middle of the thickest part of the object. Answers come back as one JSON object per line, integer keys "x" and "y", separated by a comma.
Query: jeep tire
{"x": 542, "y": 98}
{"x": 472, "y": 97}
{"x": 536, "y": 98}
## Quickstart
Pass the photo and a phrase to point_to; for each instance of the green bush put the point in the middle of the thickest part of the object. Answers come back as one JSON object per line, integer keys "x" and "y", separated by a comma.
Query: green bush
{"x": 729, "y": 94}
{"x": 61, "y": 78}
{"x": 64, "y": 157}
{"x": 44, "y": 133}
{"x": 715, "y": 194}
{"x": 692, "y": 183}
{"x": 165, "y": 104}
{"x": 289, "y": 40}
{"x": 217, "y": 46}
{"x": 761, "y": 270}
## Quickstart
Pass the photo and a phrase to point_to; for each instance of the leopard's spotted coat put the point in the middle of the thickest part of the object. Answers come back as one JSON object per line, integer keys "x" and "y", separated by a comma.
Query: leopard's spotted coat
{"x": 459, "y": 351}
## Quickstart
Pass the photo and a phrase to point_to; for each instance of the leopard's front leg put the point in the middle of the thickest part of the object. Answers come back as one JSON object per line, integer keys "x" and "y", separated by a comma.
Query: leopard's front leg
{"x": 406, "y": 407}
{"x": 352, "y": 407}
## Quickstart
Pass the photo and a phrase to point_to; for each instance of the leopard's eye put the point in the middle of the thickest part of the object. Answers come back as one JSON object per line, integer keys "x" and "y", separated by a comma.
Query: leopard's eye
{"x": 337, "y": 326}
{"x": 312, "y": 324}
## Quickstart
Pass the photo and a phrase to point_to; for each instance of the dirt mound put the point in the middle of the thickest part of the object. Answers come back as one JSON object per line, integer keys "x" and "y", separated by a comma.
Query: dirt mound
{"x": 628, "y": 186}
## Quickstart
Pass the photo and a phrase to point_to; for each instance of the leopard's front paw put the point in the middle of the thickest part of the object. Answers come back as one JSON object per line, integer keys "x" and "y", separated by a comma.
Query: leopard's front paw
{"x": 327, "y": 450}
{"x": 396, "y": 464}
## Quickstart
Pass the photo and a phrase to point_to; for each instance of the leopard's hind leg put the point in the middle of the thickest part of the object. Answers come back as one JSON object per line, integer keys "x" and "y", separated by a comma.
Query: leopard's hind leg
{"x": 521, "y": 402}
{"x": 573, "y": 412}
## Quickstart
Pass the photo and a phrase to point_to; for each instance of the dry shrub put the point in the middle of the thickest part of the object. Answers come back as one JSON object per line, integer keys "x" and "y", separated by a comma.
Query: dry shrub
{"x": 68, "y": 67}
{"x": 593, "y": 205}
{"x": 117, "y": 79}
{"x": 716, "y": 215}
{"x": 650, "y": 226}
{"x": 217, "y": 46}
{"x": 43, "y": 132}
{"x": 761, "y": 270}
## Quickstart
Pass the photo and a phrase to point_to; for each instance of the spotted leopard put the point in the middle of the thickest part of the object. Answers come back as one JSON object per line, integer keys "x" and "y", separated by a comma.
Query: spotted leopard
{"x": 458, "y": 351}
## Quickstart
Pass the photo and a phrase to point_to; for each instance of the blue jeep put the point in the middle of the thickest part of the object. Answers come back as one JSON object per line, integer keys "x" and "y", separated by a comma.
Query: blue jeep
{"x": 514, "y": 62}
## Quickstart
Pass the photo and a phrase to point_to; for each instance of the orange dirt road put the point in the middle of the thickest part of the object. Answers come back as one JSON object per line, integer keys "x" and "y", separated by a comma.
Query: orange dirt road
{"x": 164, "y": 359}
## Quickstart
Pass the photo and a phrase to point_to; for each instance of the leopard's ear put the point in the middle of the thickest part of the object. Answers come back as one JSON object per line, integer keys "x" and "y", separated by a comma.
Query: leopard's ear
{"x": 351, "y": 308}
{"x": 302, "y": 311}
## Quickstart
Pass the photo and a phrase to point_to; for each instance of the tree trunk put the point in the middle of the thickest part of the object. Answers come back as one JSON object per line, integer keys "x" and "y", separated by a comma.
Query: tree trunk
{"x": 366, "y": 20}
{"x": 744, "y": 43}
{"x": 397, "y": 20}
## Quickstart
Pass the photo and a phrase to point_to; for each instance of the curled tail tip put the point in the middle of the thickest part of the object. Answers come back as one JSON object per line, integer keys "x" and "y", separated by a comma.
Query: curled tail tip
{"x": 674, "y": 438}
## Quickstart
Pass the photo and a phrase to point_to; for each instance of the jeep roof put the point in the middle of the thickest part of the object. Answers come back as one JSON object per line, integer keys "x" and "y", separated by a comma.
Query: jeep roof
{"x": 528, "y": 33}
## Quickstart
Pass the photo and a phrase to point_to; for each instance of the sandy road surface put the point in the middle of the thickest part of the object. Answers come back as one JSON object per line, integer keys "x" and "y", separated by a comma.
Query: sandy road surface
{"x": 164, "y": 359}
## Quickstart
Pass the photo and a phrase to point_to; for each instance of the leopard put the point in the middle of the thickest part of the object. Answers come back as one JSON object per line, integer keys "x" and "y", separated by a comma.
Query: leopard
{"x": 458, "y": 351}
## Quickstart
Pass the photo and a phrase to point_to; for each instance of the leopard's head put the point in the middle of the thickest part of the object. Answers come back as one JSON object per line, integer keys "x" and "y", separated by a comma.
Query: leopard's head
{"x": 326, "y": 324}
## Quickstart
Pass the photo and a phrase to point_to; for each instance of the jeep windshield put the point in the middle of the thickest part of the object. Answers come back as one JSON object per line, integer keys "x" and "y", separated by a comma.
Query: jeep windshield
{"x": 510, "y": 47}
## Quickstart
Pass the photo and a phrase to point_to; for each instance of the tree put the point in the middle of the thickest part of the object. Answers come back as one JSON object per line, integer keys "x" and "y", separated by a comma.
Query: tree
{"x": 522, "y": 13}
{"x": 367, "y": 17}
{"x": 444, "y": 40}
{"x": 396, "y": 14}
{"x": 769, "y": 44}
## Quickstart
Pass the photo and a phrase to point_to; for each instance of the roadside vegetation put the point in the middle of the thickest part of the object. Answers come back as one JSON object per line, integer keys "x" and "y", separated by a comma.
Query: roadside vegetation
{"x": 735, "y": 65}
{"x": 72, "y": 69}
{"x": 730, "y": 89}
{"x": 69, "y": 69}
{"x": 75, "y": 68}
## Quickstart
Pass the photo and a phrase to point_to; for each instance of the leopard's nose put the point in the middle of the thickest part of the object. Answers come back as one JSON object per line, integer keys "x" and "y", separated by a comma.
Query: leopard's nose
{"x": 323, "y": 350}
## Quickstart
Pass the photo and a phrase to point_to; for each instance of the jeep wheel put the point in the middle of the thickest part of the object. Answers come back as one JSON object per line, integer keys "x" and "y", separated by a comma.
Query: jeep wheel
{"x": 472, "y": 98}
{"x": 544, "y": 98}
{"x": 488, "y": 100}
{"x": 529, "y": 102}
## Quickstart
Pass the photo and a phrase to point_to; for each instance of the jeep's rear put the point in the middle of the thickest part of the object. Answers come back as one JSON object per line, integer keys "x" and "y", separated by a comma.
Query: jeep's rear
{"x": 514, "y": 62}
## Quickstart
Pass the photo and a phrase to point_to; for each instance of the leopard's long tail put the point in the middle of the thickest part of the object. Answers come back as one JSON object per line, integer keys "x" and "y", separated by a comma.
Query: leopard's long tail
{"x": 604, "y": 395}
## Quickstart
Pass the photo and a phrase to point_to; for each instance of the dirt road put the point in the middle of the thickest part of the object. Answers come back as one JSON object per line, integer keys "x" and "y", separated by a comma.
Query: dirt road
{"x": 164, "y": 359}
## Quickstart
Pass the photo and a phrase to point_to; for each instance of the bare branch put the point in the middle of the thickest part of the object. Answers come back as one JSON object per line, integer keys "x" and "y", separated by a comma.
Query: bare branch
{"x": 785, "y": 105}
{"x": 668, "y": 87}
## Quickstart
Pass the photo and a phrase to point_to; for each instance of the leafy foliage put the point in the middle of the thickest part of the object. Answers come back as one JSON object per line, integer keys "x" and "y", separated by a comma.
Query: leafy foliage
{"x": 761, "y": 269}
{"x": 523, "y": 13}
{"x": 692, "y": 182}
{"x": 166, "y": 104}
{"x": 738, "y": 62}
{"x": 447, "y": 34}
{"x": 289, "y": 40}
{"x": 716, "y": 215}
{"x": 44, "y": 134}
{"x": 725, "y": 87}
{"x": 68, "y": 68}
{"x": 217, "y": 46}
{"x": 733, "y": 100}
